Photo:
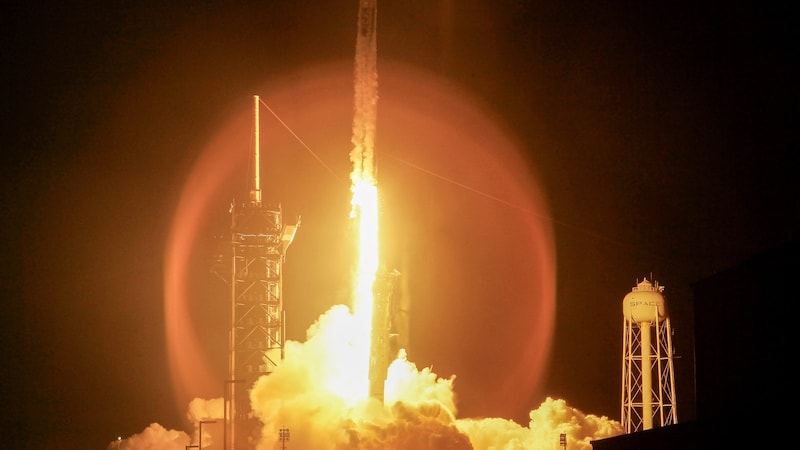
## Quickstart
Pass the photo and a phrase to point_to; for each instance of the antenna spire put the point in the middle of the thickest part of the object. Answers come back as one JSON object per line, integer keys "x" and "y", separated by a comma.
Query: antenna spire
{"x": 255, "y": 187}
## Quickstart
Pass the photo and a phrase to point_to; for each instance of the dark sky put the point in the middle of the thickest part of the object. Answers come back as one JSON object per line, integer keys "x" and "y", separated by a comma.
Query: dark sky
{"x": 659, "y": 132}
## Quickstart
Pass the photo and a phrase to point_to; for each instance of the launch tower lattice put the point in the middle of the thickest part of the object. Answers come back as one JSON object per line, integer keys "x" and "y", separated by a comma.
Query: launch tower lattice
{"x": 257, "y": 250}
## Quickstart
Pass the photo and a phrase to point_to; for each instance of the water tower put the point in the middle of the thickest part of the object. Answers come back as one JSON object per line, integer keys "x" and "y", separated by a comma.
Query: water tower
{"x": 648, "y": 382}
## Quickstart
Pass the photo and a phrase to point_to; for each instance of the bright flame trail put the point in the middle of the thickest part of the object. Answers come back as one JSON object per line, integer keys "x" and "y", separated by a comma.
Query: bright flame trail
{"x": 364, "y": 205}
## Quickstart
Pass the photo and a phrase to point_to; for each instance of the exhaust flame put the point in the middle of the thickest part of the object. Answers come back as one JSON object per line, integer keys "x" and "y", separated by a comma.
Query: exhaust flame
{"x": 365, "y": 215}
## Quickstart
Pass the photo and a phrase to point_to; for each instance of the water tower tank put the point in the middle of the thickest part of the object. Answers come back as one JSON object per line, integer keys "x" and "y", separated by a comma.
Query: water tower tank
{"x": 645, "y": 303}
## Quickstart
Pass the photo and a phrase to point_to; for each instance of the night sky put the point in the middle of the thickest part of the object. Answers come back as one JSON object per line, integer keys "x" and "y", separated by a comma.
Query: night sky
{"x": 658, "y": 133}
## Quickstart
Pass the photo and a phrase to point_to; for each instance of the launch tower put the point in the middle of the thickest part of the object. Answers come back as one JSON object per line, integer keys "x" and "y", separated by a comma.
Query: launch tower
{"x": 648, "y": 382}
{"x": 258, "y": 245}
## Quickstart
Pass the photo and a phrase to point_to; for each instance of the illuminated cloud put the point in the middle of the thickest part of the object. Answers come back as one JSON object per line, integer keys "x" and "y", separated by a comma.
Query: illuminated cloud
{"x": 308, "y": 394}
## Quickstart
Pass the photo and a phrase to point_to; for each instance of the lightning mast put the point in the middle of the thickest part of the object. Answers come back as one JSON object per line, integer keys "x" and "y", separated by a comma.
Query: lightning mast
{"x": 259, "y": 240}
{"x": 648, "y": 375}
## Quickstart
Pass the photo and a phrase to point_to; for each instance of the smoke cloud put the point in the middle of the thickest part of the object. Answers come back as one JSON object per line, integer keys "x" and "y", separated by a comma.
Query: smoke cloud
{"x": 419, "y": 412}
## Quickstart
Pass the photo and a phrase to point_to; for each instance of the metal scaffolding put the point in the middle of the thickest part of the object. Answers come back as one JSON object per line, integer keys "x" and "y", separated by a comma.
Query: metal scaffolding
{"x": 257, "y": 250}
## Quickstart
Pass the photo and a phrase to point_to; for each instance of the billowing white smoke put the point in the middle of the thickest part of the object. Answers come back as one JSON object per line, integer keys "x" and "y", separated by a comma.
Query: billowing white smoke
{"x": 419, "y": 411}
{"x": 552, "y": 418}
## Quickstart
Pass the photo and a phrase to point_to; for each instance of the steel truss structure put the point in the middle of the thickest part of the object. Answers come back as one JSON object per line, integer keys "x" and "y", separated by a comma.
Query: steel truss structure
{"x": 256, "y": 338}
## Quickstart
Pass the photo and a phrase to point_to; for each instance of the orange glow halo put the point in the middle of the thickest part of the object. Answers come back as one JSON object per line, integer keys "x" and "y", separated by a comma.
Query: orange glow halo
{"x": 463, "y": 217}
